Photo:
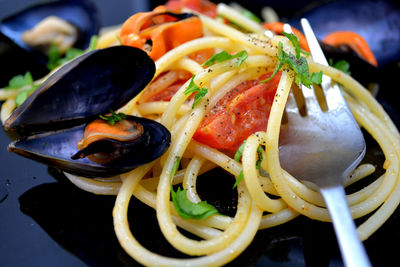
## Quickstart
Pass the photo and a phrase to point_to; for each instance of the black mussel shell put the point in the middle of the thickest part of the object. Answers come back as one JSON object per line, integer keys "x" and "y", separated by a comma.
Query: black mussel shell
{"x": 56, "y": 148}
{"x": 360, "y": 69}
{"x": 90, "y": 85}
{"x": 377, "y": 21}
{"x": 15, "y": 60}
{"x": 82, "y": 14}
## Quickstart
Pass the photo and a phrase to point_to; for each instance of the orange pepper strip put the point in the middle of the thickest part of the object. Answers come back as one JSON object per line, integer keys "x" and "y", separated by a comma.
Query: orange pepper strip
{"x": 164, "y": 31}
{"x": 355, "y": 41}
{"x": 277, "y": 27}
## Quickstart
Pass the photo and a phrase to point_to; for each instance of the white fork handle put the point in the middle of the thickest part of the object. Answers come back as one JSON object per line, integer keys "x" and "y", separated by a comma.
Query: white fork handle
{"x": 352, "y": 250}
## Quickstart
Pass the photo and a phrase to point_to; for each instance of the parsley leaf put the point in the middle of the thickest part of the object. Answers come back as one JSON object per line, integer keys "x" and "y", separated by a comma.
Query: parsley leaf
{"x": 238, "y": 156}
{"x": 24, "y": 94}
{"x": 342, "y": 65}
{"x": 295, "y": 42}
{"x": 239, "y": 152}
{"x": 185, "y": 208}
{"x": 174, "y": 168}
{"x": 55, "y": 55}
{"x": 251, "y": 15}
{"x": 189, "y": 210}
{"x": 114, "y": 117}
{"x": 316, "y": 77}
{"x": 55, "y": 58}
{"x": 298, "y": 64}
{"x": 93, "y": 42}
{"x": 199, "y": 95}
{"x": 19, "y": 81}
{"x": 192, "y": 87}
{"x": 223, "y": 56}
{"x": 200, "y": 92}
{"x": 239, "y": 179}
{"x": 260, "y": 157}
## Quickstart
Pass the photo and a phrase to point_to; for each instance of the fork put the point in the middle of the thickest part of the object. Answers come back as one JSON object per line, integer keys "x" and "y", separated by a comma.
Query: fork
{"x": 323, "y": 147}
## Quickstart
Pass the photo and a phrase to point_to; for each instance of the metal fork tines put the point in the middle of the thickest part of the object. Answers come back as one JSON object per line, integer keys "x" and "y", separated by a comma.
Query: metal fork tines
{"x": 323, "y": 147}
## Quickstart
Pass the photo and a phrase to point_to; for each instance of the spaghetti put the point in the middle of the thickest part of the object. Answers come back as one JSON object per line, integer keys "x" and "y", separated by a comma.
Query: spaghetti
{"x": 222, "y": 237}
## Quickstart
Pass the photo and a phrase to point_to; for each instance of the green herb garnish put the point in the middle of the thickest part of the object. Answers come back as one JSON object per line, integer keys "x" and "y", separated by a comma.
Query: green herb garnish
{"x": 189, "y": 210}
{"x": 260, "y": 157}
{"x": 295, "y": 42}
{"x": 19, "y": 81}
{"x": 55, "y": 56}
{"x": 341, "y": 65}
{"x": 200, "y": 92}
{"x": 93, "y": 42}
{"x": 223, "y": 56}
{"x": 238, "y": 156}
{"x": 174, "y": 168}
{"x": 114, "y": 117}
{"x": 199, "y": 95}
{"x": 239, "y": 152}
{"x": 297, "y": 63}
{"x": 250, "y": 15}
{"x": 185, "y": 208}
{"x": 24, "y": 94}
{"x": 239, "y": 179}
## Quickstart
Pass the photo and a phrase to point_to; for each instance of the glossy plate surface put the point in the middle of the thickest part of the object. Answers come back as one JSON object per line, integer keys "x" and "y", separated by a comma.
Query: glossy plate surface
{"x": 46, "y": 221}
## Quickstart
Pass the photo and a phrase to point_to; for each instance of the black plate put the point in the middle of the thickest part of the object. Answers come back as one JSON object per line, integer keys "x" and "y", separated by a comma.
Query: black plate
{"x": 46, "y": 221}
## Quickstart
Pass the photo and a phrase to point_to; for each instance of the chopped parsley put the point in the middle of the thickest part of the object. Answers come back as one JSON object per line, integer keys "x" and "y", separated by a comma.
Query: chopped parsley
{"x": 224, "y": 56}
{"x": 220, "y": 57}
{"x": 185, "y": 208}
{"x": 189, "y": 210}
{"x": 55, "y": 56}
{"x": 239, "y": 179}
{"x": 93, "y": 42}
{"x": 19, "y": 81}
{"x": 200, "y": 92}
{"x": 174, "y": 168}
{"x": 24, "y": 94}
{"x": 297, "y": 63}
{"x": 250, "y": 15}
{"x": 55, "y": 59}
{"x": 238, "y": 156}
{"x": 239, "y": 152}
{"x": 341, "y": 65}
{"x": 114, "y": 117}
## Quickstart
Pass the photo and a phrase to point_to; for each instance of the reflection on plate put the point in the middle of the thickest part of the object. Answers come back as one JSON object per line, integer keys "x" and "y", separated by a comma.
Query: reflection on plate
{"x": 46, "y": 221}
{"x": 81, "y": 224}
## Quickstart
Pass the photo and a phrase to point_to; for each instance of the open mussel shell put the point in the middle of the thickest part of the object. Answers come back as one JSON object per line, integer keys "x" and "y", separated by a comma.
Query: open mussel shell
{"x": 90, "y": 85}
{"x": 360, "y": 69}
{"x": 82, "y": 14}
{"x": 57, "y": 148}
{"x": 377, "y": 21}
{"x": 52, "y": 121}
{"x": 15, "y": 60}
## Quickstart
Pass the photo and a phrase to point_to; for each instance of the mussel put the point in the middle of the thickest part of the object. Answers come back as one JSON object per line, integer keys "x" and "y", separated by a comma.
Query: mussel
{"x": 81, "y": 15}
{"x": 377, "y": 21}
{"x": 52, "y": 121}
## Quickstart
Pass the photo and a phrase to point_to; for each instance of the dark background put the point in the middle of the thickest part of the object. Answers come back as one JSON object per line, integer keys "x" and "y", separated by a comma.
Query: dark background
{"x": 45, "y": 221}
{"x": 116, "y": 11}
